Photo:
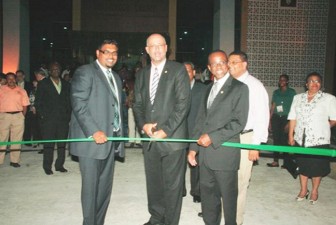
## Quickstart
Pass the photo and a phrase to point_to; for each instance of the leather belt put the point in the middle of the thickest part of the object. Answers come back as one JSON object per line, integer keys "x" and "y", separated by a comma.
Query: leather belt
{"x": 246, "y": 131}
{"x": 16, "y": 112}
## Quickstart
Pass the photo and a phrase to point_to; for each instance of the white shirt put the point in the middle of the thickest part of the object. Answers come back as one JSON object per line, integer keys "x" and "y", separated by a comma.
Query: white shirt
{"x": 313, "y": 117}
{"x": 258, "y": 115}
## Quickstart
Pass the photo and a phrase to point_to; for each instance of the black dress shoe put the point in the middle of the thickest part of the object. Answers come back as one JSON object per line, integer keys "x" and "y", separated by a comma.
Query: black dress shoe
{"x": 197, "y": 199}
{"x": 273, "y": 164}
{"x": 16, "y": 165}
{"x": 40, "y": 152}
{"x": 48, "y": 172}
{"x": 62, "y": 170}
{"x": 200, "y": 214}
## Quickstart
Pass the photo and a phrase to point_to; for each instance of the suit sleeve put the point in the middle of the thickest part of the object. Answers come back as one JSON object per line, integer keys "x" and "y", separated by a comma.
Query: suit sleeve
{"x": 182, "y": 103}
{"x": 238, "y": 121}
{"x": 81, "y": 87}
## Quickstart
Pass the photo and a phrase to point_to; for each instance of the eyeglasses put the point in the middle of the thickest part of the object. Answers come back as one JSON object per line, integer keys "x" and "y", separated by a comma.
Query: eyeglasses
{"x": 221, "y": 63}
{"x": 314, "y": 81}
{"x": 233, "y": 63}
{"x": 107, "y": 52}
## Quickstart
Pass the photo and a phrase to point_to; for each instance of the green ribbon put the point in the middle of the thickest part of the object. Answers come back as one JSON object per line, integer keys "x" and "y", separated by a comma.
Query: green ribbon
{"x": 270, "y": 148}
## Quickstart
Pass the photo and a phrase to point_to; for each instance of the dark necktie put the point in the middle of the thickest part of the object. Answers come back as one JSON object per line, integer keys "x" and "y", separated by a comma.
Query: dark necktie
{"x": 116, "y": 120}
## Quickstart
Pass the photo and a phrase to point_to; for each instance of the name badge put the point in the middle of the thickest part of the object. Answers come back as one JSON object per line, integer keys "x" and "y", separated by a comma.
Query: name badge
{"x": 279, "y": 108}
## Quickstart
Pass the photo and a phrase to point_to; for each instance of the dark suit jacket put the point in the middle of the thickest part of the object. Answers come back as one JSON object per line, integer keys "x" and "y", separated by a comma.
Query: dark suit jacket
{"x": 197, "y": 92}
{"x": 170, "y": 108}
{"x": 223, "y": 122}
{"x": 52, "y": 107}
{"x": 93, "y": 110}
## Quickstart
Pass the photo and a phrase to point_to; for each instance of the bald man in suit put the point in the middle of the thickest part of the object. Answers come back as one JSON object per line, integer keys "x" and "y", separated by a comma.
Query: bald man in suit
{"x": 162, "y": 101}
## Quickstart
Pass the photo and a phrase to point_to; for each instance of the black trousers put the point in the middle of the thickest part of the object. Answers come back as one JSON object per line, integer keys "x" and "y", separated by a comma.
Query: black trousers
{"x": 164, "y": 181}
{"x": 54, "y": 130}
{"x": 280, "y": 137}
{"x": 32, "y": 127}
{"x": 218, "y": 188}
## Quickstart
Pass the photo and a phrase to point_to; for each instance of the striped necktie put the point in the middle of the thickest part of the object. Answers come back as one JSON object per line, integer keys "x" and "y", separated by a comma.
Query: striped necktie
{"x": 155, "y": 83}
{"x": 116, "y": 120}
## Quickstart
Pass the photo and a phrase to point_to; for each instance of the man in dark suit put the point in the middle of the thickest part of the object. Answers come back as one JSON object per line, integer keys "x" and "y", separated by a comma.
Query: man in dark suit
{"x": 222, "y": 116}
{"x": 96, "y": 103}
{"x": 197, "y": 92}
{"x": 53, "y": 108}
{"x": 161, "y": 105}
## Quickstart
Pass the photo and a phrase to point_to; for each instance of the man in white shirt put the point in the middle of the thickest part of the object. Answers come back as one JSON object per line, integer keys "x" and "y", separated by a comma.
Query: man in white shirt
{"x": 256, "y": 129}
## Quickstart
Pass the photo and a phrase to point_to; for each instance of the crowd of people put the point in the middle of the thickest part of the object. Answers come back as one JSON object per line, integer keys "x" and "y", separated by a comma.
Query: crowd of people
{"x": 165, "y": 100}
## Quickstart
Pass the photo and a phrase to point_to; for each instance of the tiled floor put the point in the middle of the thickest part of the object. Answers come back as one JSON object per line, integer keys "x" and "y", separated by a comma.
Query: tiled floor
{"x": 28, "y": 196}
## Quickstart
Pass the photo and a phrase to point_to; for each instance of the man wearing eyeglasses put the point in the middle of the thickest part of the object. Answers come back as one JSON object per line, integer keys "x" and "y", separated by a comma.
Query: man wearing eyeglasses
{"x": 95, "y": 98}
{"x": 162, "y": 101}
{"x": 256, "y": 129}
{"x": 221, "y": 117}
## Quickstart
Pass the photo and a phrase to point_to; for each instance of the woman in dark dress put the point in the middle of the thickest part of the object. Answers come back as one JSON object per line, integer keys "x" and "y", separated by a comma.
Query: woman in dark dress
{"x": 311, "y": 116}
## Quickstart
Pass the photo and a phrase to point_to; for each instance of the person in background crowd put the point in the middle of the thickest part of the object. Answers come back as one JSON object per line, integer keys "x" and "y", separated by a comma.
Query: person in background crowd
{"x": 222, "y": 116}
{"x": 256, "y": 129}
{"x": 162, "y": 101}
{"x": 39, "y": 75}
{"x": 133, "y": 131}
{"x": 3, "y": 80}
{"x": 31, "y": 122}
{"x": 197, "y": 91}
{"x": 13, "y": 107}
{"x": 21, "y": 82}
{"x": 95, "y": 98}
{"x": 281, "y": 101}
{"x": 311, "y": 116}
{"x": 27, "y": 86}
{"x": 52, "y": 104}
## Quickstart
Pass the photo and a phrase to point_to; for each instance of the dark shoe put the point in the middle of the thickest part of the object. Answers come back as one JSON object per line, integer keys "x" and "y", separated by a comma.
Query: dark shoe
{"x": 273, "y": 164}
{"x": 255, "y": 163}
{"x": 131, "y": 145}
{"x": 138, "y": 145}
{"x": 200, "y": 214}
{"x": 149, "y": 223}
{"x": 48, "y": 172}
{"x": 16, "y": 165}
{"x": 29, "y": 145}
{"x": 40, "y": 152}
{"x": 62, "y": 170}
{"x": 283, "y": 167}
{"x": 197, "y": 199}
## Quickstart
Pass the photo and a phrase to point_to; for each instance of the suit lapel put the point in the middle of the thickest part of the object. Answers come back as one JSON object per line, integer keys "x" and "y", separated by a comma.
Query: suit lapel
{"x": 222, "y": 94}
{"x": 102, "y": 77}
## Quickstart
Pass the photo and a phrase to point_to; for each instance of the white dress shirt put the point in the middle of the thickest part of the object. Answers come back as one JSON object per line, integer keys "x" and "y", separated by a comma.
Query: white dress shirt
{"x": 258, "y": 115}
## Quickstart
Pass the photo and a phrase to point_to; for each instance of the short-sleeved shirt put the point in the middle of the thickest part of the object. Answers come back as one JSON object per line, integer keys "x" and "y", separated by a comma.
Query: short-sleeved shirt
{"x": 13, "y": 99}
{"x": 312, "y": 118}
{"x": 283, "y": 101}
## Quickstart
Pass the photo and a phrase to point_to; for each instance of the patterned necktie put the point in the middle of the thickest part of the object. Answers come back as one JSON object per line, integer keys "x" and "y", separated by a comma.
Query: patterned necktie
{"x": 155, "y": 83}
{"x": 116, "y": 120}
{"x": 212, "y": 94}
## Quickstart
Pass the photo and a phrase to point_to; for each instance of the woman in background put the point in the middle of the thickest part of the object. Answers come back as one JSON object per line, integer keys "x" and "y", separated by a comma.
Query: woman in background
{"x": 311, "y": 116}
